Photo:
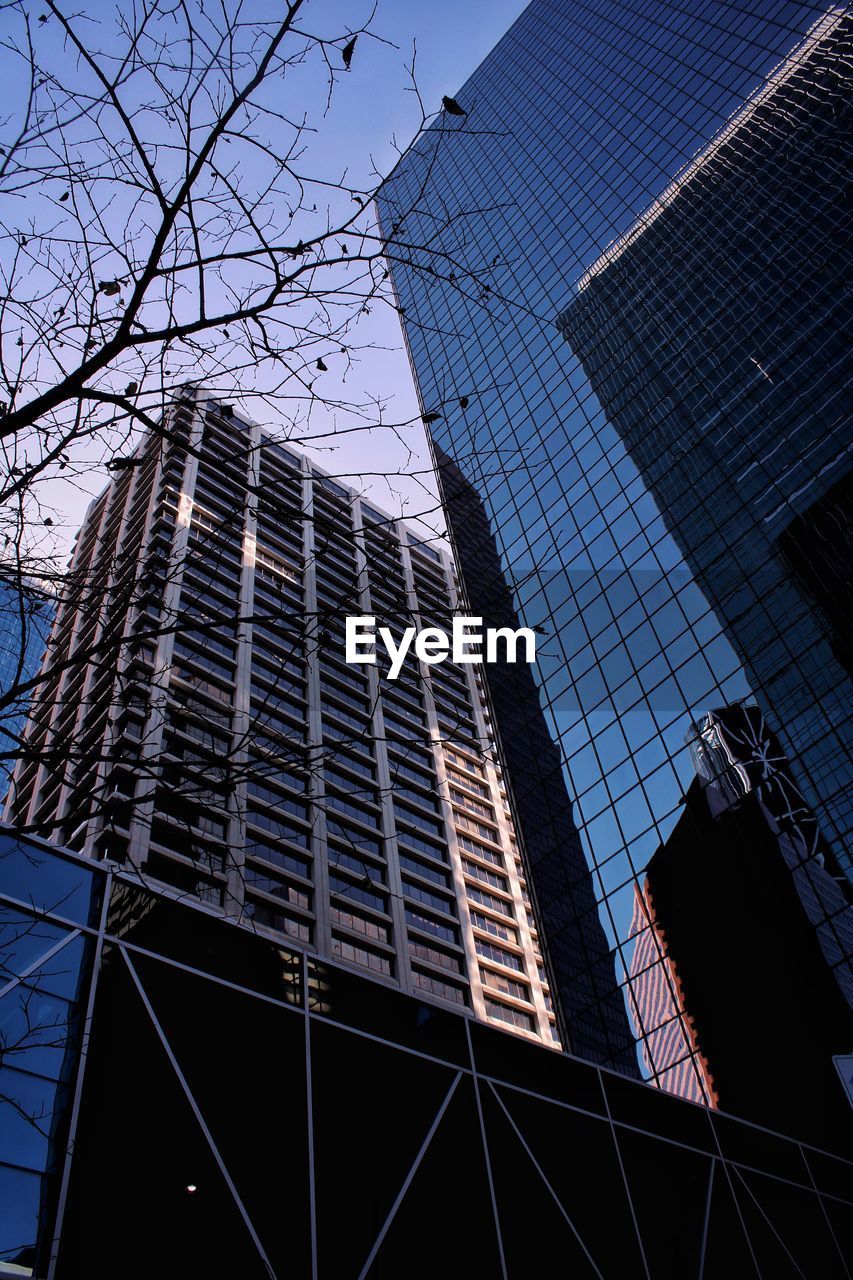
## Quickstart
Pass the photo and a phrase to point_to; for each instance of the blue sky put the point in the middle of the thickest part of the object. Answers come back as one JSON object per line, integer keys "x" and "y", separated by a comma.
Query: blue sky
{"x": 372, "y": 107}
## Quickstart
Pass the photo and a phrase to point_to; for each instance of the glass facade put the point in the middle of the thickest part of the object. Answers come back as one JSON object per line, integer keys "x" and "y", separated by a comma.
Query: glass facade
{"x": 50, "y": 911}
{"x": 739, "y": 426}
{"x": 586, "y": 981}
{"x": 25, "y": 619}
{"x": 577, "y": 123}
{"x": 242, "y": 1108}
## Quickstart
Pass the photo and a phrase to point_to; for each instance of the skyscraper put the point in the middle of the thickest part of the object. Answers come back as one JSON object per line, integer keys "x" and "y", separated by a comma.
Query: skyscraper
{"x": 739, "y": 426}
{"x": 576, "y": 123}
{"x": 665, "y": 1029}
{"x": 209, "y": 732}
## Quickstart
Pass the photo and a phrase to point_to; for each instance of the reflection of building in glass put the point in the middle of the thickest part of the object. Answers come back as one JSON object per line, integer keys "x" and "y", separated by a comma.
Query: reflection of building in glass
{"x": 25, "y": 618}
{"x": 583, "y": 967}
{"x": 737, "y": 754}
{"x": 407, "y": 1139}
{"x": 716, "y": 333}
{"x": 752, "y": 931}
{"x": 663, "y": 1023}
{"x": 219, "y": 741}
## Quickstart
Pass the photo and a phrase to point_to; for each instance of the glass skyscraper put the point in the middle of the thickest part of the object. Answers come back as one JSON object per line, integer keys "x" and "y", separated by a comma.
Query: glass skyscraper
{"x": 739, "y": 425}
{"x": 577, "y": 123}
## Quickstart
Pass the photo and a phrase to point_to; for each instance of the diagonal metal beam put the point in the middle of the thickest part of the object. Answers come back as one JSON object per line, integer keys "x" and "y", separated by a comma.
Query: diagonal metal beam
{"x": 198, "y": 1115}
{"x": 748, "y": 1189}
{"x": 625, "y": 1183}
{"x": 487, "y": 1157}
{"x": 79, "y": 1076}
{"x": 541, "y": 1173}
{"x": 408, "y": 1179}
{"x": 708, "y": 1197}
{"x": 724, "y": 1165}
{"x": 38, "y": 962}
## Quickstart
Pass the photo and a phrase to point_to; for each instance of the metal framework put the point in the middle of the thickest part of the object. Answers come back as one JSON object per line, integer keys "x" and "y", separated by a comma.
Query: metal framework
{"x": 489, "y": 1133}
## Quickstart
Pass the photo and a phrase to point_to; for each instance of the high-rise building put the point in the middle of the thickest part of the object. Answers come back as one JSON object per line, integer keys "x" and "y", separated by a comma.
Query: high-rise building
{"x": 200, "y": 723}
{"x": 576, "y": 123}
{"x": 665, "y": 1029}
{"x": 716, "y": 332}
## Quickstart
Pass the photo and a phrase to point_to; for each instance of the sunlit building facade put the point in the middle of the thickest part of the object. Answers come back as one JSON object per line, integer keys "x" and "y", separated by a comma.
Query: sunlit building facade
{"x": 664, "y": 1028}
{"x": 577, "y": 122}
{"x": 218, "y": 741}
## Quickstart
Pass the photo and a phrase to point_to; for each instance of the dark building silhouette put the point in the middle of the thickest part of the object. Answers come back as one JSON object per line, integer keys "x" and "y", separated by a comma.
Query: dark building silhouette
{"x": 590, "y": 1000}
{"x": 750, "y": 925}
{"x": 716, "y": 332}
{"x": 244, "y": 1108}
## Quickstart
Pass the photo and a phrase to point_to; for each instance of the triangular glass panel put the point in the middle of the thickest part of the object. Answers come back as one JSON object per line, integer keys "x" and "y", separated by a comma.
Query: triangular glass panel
{"x": 146, "y": 1197}
{"x": 243, "y": 1059}
{"x": 578, "y": 1157}
{"x": 445, "y": 1225}
{"x": 533, "y": 1229}
{"x": 374, "y": 1105}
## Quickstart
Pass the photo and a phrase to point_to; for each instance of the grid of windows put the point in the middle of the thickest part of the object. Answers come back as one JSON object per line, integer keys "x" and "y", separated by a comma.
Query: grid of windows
{"x": 295, "y": 792}
{"x": 736, "y": 428}
{"x": 577, "y": 123}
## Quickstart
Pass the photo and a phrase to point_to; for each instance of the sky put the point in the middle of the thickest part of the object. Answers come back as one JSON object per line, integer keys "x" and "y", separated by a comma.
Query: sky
{"x": 372, "y": 110}
{"x": 373, "y": 106}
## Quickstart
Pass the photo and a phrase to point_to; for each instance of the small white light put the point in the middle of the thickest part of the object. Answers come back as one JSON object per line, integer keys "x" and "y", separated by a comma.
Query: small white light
{"x": 191, "y": 1188}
